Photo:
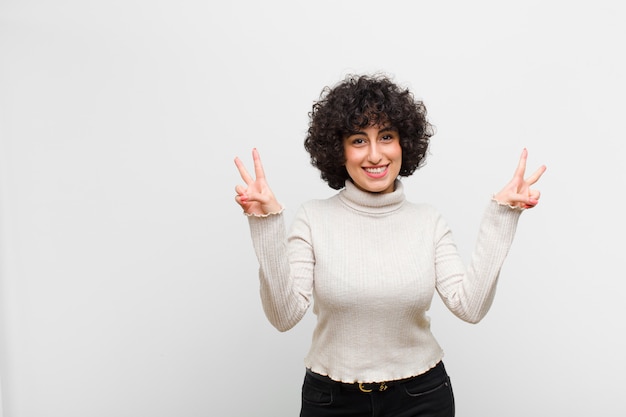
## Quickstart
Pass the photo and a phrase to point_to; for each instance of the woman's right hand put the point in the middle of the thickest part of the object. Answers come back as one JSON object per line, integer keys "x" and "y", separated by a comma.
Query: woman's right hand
{"x": 256, "y": 197}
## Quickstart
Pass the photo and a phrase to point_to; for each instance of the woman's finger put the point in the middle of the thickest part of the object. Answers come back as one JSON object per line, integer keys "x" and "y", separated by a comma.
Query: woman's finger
{"x": 521, "y": 165}
{"x": 243, "y": 172}
{"x": 536, "y": 175}
{"x": 258, "y": 166}
{"x": 240, "y": 190}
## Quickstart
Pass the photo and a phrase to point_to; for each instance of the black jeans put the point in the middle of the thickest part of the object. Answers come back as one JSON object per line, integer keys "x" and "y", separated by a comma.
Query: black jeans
{"x": 426, "y": 395}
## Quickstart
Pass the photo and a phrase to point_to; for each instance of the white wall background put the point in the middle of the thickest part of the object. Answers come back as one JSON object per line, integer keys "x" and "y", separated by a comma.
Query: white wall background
{"x": 128, "y": 282}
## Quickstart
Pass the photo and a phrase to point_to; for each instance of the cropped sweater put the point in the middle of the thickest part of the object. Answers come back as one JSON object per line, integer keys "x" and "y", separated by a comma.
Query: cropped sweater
{"x": 370, "y": 264}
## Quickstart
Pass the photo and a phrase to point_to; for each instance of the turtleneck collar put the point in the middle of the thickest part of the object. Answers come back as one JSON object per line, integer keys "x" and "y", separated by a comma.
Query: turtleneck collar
{"x": 373, "y": 203}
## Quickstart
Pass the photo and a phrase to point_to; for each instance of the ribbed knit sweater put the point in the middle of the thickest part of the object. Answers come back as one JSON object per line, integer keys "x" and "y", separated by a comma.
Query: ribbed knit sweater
{"x": 372, "y": 263}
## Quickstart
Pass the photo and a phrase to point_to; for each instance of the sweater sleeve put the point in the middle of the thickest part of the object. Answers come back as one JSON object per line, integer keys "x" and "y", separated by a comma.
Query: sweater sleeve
{"x": 285, "y": 268}
{"x": 469, "y": 291}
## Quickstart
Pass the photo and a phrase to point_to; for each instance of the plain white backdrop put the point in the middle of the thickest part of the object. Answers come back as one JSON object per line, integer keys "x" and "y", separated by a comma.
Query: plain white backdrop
{"x": 128, "y": 283}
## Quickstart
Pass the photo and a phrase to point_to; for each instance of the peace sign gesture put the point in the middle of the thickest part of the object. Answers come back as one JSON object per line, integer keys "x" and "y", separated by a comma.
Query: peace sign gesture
{"x": 517, "y": 193}
{"x": 256, "y": 197}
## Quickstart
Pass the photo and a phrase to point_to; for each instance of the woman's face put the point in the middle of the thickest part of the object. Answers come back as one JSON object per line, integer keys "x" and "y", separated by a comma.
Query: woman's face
{"x": 373, "y": 158}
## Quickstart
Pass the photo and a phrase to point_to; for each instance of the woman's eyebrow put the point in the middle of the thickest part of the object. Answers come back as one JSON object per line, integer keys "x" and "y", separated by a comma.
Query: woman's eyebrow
{"x": 355, "y": 132}
{"x": 382, "y": 130}
{"x": 388, "y": 129}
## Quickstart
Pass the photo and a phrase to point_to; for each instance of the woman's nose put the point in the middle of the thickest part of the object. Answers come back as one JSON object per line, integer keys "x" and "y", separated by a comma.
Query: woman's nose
{"x": 374, "y": 157}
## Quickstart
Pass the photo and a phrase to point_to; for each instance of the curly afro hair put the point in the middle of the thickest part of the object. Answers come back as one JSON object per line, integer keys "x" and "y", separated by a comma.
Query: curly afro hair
{"x": 357, "y": 102}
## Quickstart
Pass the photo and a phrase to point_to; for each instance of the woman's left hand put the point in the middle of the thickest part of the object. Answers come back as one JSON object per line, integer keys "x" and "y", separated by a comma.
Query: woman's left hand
{"x": 517, "y": 193}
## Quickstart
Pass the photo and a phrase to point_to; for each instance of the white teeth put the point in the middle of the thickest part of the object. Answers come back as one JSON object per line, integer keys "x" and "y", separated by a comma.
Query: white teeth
{"x": 376, "y": 170}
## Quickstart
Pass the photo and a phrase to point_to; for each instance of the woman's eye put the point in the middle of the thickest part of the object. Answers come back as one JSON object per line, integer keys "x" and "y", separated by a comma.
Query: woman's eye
{"x": 387, "y": 137}
{"x": 358, "y": 141}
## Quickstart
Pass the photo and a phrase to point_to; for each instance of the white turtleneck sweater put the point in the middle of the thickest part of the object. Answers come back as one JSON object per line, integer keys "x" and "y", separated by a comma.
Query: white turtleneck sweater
{"x": 372, "y": 263}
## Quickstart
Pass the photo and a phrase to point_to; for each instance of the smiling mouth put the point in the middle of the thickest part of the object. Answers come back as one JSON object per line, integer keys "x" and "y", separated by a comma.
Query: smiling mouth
{"x": 376, "y": 170}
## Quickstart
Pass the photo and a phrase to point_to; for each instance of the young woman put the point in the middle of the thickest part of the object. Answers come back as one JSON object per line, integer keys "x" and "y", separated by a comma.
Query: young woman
{"x": 371, "y": 260}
